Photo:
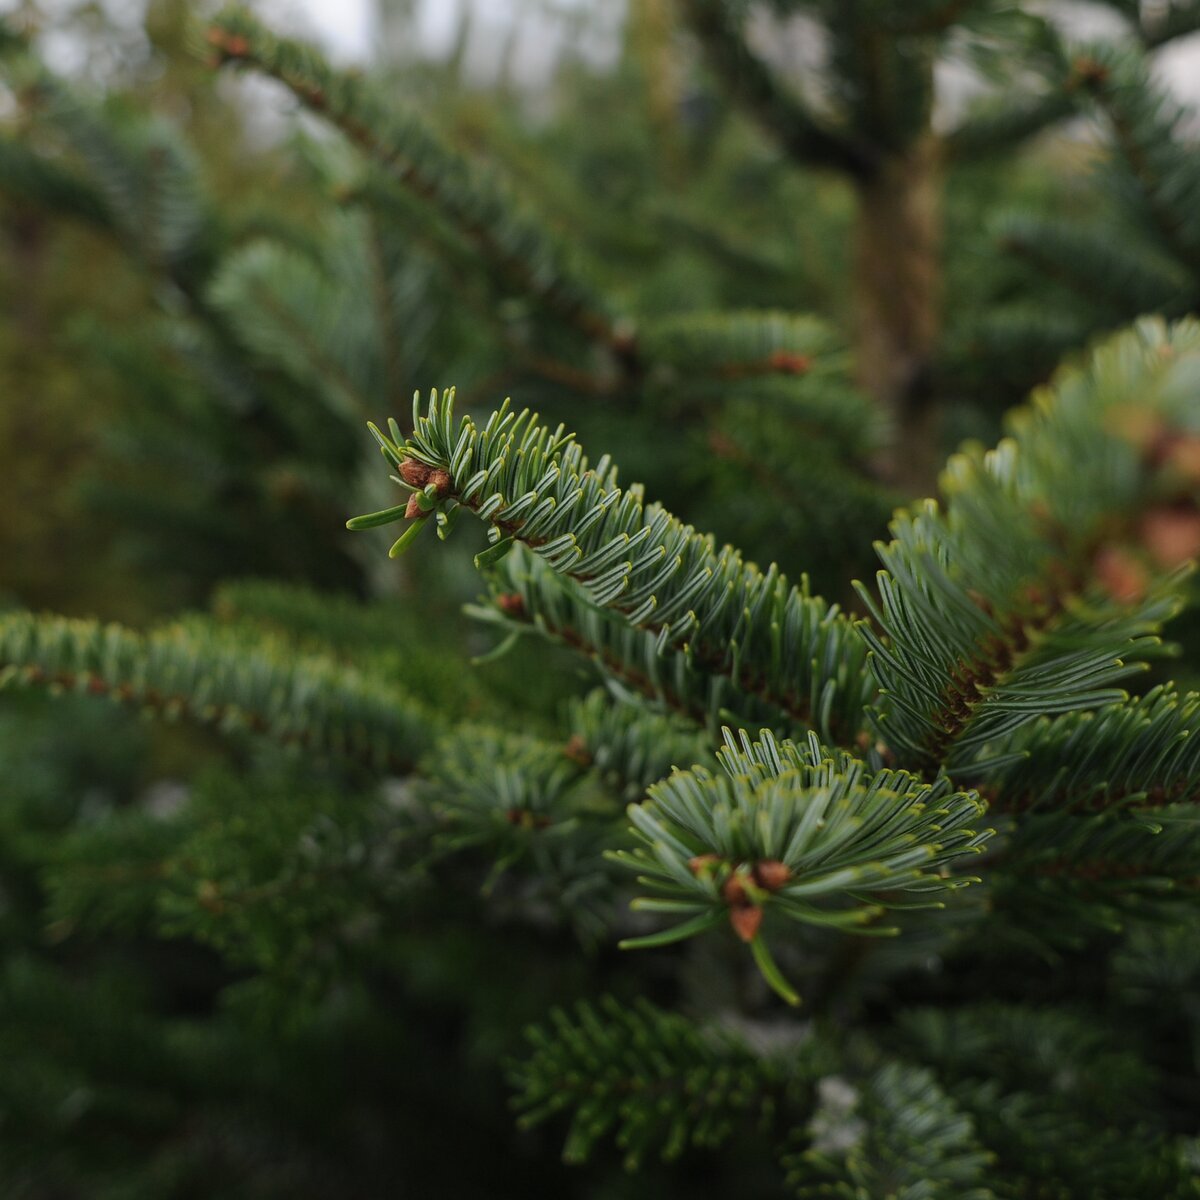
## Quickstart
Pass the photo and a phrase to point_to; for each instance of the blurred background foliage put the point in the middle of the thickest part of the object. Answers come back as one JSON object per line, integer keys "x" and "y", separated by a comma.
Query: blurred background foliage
{"x": 199, "y": 313}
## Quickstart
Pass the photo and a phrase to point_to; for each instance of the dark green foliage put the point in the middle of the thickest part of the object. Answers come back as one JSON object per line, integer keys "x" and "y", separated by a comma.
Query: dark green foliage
{"x": 196, "y": 672}
{"x": 524, "y": 479}
{"x": 795, "y": 832}
{"x": 281, "y": 945}
{"x": 516, "y": 246}
{"x": 1148, "y": 185}
{"x": 656, "y": 1081}
{"x": 896, "y": 1134}
{"x": 1004, "y": 608}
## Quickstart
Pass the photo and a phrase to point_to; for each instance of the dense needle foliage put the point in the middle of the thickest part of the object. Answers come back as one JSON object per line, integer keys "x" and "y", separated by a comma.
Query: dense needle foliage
{"x": 763, "y": 790}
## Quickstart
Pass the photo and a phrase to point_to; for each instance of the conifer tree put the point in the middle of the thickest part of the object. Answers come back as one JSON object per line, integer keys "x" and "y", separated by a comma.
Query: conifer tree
{"x": 870, "y": 115}
{"x": 903, "y": 881}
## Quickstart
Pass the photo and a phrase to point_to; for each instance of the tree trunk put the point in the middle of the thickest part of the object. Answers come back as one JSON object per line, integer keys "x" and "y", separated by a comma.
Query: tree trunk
{"x": 898, "y": 285}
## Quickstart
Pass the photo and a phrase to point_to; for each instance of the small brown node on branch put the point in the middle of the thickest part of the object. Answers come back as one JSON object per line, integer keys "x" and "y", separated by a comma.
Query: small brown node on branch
{"x": 511, "y": 603}
{"x": 789, "y": 363}
{"x": 420, "y": 475}
{"x": 1138, "y": 425}
{"x": 576, "y": 750}
{"x": 980, "y": 601}
{"x": 208, "y": 895}
{"x": 722, "y": 445}
{"x": 1035, "y": 595}
{"x": 746, "y": 921}
{"x": 702, "y": 862}
{"x": 624, "y": 338}
{"x": 733, "y": 891}
{"x": 415, "y": 474}
{"x": 1172, "y": 534}
{"x": 413, "y": 508}
{"x": 523, "y": 818}
{"x": 1181, "y": 457}
{"x": 1087, "y": 72}
{"x": 771, "y": 874}
{"x": 1120, "y": 574}
{"x": 231, "y": 45}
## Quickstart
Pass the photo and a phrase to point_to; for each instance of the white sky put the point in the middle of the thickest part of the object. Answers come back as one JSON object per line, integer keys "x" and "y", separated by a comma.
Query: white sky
{"x": 347, "y": 29}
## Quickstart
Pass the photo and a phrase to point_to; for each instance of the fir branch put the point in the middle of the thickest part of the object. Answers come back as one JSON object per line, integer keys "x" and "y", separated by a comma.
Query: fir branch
{"x": 490, "y": 782}
{"x": 34, "y": 179}
{"x": 535, "y": 486}
{"x": 739, "y": 345}
{"x": 1025, "y": 598}
{"x": 412, "y": 156}
{"x": 1159, "y": 177}
{"x": 1118, "y": 856}
{"x": 1128, "y": 277}
{"x": 303, "y": 701}
{"x": 629, "y": 747}
{"x": 146, "y": 178}
{"x": 783, "y": 115}
{"x": 527, "y": 597}
{"x": 290, "y": 313}
{"x": 897, "y": 1134}
{"x": 550, "y": 808}
{"x": 1059, "y": 1097}
{"x": 533, "y": 813}
{"x": 1056, "y": 1051}
{"x": 1004, "y": 124}
{"x": 654, "y": 1079}
{"x": 1142, "y": 753}
{"x": 794, "y": 831}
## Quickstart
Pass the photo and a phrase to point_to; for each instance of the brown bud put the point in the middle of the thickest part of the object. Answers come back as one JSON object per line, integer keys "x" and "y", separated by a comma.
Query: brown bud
{"x": 523, "y": 818}
{"x": 771, "y": 874}
{"x": 1087, "y": 71}
{"x": 208, "y": 895}
{"x": 413, "y": 508}
{"x": 440, "y": 480}
{"x": 722, "y": 445}
{"x": 789, "y": 363}
{"x": 576, "y": 750}
{"x": 511, "y": 603}
{"x": 1141, "y": 427}
{"x": 1182, "y": 455}
{"x": 415, "y": 474}
{"x": 232, "y": 44}
{"x": 980, "y": 601}
{"x": 1172, "y": 535}
{"x": 1034, "y": 596}
{"x": 733, "y": 891}
{"x": 702, "y": 862}
{"x": 1120, "y": 574}
{"x": 746, "y": 921}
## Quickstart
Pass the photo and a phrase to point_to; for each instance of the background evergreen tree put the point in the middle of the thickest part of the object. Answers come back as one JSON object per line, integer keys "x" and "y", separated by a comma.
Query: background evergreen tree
{"x": 285, "y": 940}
